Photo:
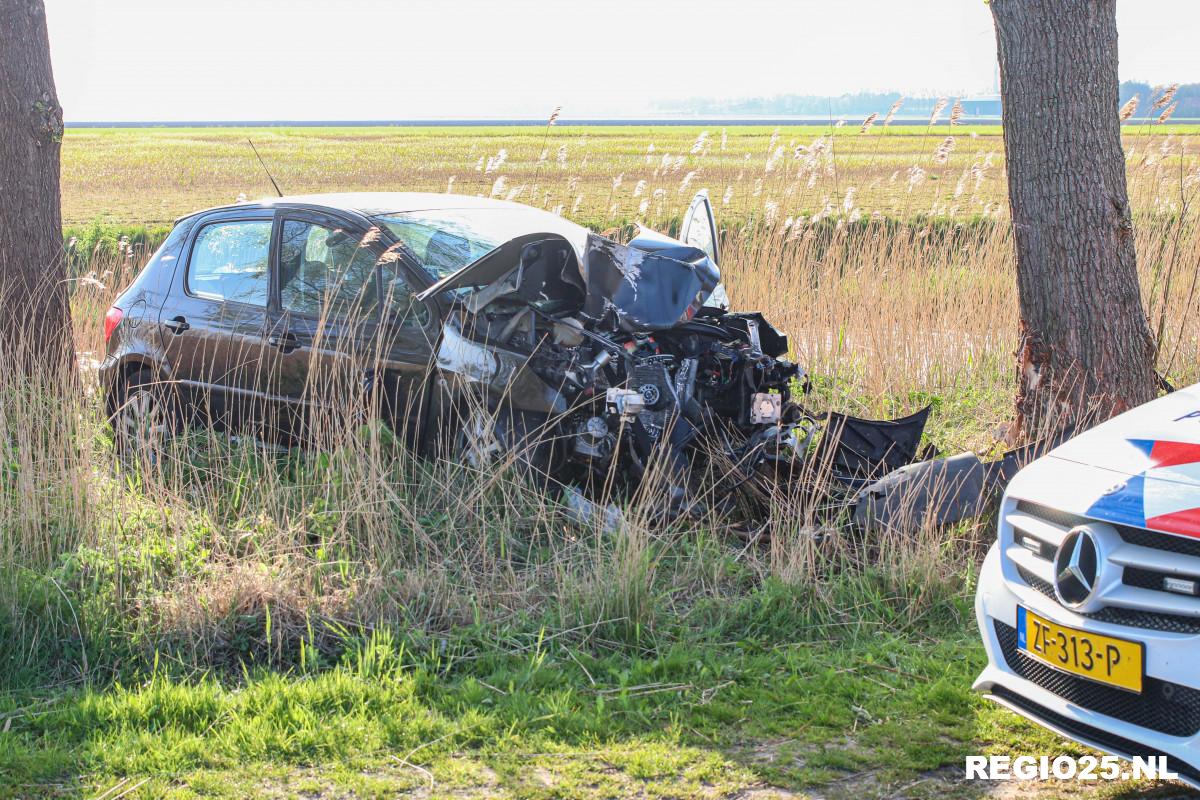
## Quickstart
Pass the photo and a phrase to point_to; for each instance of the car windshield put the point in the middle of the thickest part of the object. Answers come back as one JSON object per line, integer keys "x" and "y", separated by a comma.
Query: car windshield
{"x": 446, "y": 240}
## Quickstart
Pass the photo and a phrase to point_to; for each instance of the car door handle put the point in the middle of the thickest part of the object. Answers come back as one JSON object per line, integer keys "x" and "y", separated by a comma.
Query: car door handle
{"x": 284, "y": 342}
{"x": 177, "y": 325}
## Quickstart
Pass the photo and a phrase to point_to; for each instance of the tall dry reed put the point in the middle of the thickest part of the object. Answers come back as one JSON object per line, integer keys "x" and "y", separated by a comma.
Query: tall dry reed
{"x": 219, "y": 548}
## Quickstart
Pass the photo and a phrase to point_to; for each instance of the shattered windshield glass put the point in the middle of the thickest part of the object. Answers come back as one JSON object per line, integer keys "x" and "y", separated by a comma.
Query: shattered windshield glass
{"x": 446, "y": 240}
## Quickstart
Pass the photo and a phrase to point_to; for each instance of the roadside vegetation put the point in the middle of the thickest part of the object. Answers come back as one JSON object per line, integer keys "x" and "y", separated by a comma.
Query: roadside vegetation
{"x": 225, "y": 620}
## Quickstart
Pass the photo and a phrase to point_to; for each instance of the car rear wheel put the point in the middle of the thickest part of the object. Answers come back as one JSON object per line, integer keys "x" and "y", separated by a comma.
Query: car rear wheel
{"x": 143, "y": 417}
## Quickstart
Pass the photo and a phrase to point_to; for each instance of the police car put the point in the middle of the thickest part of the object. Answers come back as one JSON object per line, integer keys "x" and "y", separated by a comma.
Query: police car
{"x": 1089, "y": 601}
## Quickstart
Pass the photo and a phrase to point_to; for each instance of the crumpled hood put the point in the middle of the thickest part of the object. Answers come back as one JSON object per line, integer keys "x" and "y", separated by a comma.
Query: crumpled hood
{"x": 1159, "y": 440}
{"x": 648, "y": 285}
{"x": 645, "y": 290}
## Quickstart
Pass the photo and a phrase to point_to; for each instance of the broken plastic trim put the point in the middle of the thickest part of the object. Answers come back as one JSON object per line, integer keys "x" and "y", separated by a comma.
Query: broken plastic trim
{"x": 942, "y": 491}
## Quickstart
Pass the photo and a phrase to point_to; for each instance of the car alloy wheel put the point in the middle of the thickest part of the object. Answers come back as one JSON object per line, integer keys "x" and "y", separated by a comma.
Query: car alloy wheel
{"x": 142, "y": 421}
{"x": 481, "y": 442}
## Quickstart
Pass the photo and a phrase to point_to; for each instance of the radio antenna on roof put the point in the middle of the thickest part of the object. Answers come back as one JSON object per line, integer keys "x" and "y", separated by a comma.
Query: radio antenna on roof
{"x": 264, "y": 166}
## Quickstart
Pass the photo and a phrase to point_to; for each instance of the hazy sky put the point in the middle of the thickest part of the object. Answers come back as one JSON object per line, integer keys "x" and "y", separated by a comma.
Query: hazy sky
{"x": 387, "y": 59}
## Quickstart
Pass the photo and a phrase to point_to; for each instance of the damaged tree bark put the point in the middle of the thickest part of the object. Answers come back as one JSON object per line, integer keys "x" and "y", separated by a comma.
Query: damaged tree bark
{"x": 35, "y": 325}
{"x": 1086, "y": 350}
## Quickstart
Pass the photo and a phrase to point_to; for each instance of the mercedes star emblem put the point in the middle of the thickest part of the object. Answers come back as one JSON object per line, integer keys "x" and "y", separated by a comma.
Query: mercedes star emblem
{"x": 1076, "y": 568}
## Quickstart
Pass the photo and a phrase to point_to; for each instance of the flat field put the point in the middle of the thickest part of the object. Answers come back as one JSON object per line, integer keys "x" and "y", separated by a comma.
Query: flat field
{"x": 596, "y": 174}
{"x": 351, "y": 621}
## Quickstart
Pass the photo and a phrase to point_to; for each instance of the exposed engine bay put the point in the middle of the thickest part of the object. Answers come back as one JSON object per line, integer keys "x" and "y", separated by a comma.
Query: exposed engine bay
{"x": 663, "y": 384}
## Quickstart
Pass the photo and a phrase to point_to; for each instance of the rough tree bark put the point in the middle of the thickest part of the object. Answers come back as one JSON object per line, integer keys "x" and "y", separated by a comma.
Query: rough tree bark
{"x": 35, "y": 326}
{"x": 1086, "y": 348}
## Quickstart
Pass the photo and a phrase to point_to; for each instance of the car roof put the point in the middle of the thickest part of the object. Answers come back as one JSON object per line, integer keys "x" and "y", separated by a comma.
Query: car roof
{"x": 374, "y": 203}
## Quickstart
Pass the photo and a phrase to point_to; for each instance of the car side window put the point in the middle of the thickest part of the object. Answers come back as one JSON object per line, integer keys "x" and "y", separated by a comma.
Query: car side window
{"x": 230, "y": 261}
{"x": 326, "y": 271}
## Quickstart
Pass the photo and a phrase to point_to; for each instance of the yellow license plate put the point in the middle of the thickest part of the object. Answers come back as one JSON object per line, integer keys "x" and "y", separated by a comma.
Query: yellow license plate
{"x": 1115, "y": 662}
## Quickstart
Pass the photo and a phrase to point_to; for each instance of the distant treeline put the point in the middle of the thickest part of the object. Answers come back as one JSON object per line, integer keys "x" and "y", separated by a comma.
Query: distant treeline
{"x": 861, "y": 104}
{"x": 1187, "y": 95}
{"x": 803, "y": 105}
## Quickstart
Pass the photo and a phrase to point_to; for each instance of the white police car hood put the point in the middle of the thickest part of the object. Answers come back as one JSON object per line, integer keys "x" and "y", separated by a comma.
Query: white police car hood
{"x": 1141, "y": 468}
{"x": 1162, "y": 435}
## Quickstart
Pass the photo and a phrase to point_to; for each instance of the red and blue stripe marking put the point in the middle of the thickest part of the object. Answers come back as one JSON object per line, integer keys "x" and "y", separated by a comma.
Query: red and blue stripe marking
{"x": 1164, "y": 497}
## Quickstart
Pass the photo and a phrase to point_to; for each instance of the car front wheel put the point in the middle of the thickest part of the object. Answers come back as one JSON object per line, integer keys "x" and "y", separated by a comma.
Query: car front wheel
{"x": 488, "y": 439}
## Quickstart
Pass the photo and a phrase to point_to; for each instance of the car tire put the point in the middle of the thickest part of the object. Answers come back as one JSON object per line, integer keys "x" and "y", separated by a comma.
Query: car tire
{"x": 144, "y": 415}
{"x": 486, "y": 439}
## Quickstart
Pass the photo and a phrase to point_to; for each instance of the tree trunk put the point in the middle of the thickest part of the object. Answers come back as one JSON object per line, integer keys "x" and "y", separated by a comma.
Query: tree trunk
{"x": 1086, "y": 349}
{"x": 35, "y": 325}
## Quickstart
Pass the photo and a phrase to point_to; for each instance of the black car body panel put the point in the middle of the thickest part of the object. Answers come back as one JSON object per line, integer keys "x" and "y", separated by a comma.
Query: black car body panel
{"x": 641, "y": 290}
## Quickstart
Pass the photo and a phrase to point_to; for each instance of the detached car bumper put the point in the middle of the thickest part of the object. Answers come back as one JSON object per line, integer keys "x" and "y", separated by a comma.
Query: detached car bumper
{"x": 1164, "y": 720}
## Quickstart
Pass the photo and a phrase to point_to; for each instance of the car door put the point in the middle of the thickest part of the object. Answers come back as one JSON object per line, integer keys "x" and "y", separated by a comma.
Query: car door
{"x": 699, "y": 230}
{"x": 699, "y": 227}
{"x": 214, "y": 320}
{"x": 409, "y": 334}
{"x": 339, "y": 333}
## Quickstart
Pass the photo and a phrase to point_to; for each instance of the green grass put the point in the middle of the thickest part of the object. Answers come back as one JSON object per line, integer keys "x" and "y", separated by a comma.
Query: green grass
{"x": 847, "y": 686}
{"x": 779, "y": 690}
{"x": 549, "y": 720}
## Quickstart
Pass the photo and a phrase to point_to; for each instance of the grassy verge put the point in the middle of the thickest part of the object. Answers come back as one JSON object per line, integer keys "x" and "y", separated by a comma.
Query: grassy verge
{"x": 532, "y": 717}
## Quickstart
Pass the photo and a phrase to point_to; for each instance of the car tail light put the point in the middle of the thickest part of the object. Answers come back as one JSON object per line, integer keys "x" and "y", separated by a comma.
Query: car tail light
{"x": 111, "y": 320}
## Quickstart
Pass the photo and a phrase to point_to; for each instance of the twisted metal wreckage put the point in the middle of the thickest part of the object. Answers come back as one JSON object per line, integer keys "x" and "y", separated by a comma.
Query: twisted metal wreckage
{"x": 628, "y": 355}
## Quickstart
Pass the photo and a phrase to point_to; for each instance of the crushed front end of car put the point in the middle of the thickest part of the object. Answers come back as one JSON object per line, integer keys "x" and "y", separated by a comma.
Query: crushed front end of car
{"x": 620, "y": 358}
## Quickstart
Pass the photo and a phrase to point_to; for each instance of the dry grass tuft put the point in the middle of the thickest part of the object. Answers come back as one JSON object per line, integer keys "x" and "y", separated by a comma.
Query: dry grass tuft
{"x": 1128, "y": 109}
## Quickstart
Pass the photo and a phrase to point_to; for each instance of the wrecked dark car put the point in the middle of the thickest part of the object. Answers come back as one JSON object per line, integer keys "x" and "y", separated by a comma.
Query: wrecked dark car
{"x": 499, "y": 329}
